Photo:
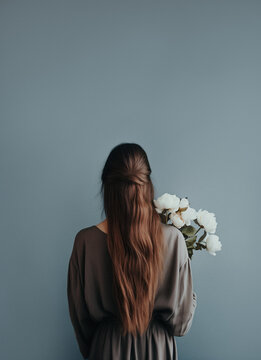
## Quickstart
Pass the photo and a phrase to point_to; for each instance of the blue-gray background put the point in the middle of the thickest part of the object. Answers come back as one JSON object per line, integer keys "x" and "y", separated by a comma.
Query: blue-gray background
{"x": 182, "y": 79}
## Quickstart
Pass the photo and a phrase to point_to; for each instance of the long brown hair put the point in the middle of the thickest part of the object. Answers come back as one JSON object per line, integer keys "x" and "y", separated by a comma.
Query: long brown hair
{"x": 135, "y": 235}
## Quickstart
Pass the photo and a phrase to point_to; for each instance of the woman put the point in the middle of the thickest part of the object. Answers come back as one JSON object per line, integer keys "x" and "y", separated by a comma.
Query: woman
{"x": 130, "y": 289}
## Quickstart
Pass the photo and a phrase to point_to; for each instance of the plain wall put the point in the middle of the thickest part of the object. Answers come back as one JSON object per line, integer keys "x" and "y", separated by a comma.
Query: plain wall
{"x": 182, "y": 79}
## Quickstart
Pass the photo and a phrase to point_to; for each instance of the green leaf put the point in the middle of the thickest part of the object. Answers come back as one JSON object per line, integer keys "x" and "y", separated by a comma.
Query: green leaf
{"x": 164, "y": 218}
{"x": 190, "y": 253}
{"x": 188, "y": 230}
{"x": 190, "y": 241}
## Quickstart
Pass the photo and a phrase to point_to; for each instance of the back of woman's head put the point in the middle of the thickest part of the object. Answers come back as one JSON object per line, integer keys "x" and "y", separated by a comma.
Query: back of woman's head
{"x": 135, "y": 235}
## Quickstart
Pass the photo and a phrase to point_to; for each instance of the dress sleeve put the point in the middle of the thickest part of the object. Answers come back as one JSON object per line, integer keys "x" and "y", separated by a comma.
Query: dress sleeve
{"x": 182, "y": 315}
{"x": 83, "y": 324}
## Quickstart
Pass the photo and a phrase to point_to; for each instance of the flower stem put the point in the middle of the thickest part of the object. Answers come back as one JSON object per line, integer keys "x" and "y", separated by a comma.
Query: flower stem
{"x": 198, "y": 230}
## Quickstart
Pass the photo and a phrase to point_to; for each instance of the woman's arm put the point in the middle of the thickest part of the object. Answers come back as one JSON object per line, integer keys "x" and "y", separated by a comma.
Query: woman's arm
{"x": 84, "y": 326}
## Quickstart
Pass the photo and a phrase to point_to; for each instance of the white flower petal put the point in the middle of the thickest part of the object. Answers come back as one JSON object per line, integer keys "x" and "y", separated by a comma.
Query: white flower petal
{"x": 176, "y": 220}
{"x": 207, "y": 220}
{"x": 212, "y": 244}
{"x": 167, "y": 201}
{"x": 184, "y": 203}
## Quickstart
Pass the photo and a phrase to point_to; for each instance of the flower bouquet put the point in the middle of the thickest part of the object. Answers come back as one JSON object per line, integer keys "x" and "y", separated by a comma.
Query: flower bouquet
{"x": 177, "y": 210}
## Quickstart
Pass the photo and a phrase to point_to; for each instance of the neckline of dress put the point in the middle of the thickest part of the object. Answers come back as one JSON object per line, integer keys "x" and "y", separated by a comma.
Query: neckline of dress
{"x": 104, "y": 233}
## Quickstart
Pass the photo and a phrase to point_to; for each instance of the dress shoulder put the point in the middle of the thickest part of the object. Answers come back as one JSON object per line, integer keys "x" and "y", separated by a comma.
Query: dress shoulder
{"x": 85, "y": 237}
{"x": 176, "y": 243}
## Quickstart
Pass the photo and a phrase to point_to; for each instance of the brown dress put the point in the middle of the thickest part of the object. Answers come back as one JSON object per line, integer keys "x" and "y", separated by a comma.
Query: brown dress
{"x": 93, "y": 309}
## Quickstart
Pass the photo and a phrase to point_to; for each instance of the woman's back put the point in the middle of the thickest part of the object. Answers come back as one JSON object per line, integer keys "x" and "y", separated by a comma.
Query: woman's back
{"x": 93, "y": 308}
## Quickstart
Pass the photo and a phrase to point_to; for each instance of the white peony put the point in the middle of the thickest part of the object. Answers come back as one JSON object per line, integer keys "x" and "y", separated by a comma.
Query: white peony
{"x": 188, "y": 215}
{"x": 176, "y": 220}
{"x": 183, "y": 203}
{"x": 213, "y": 244}
{"x": 167, "y": 201}
{"x": 207, "y": 220}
